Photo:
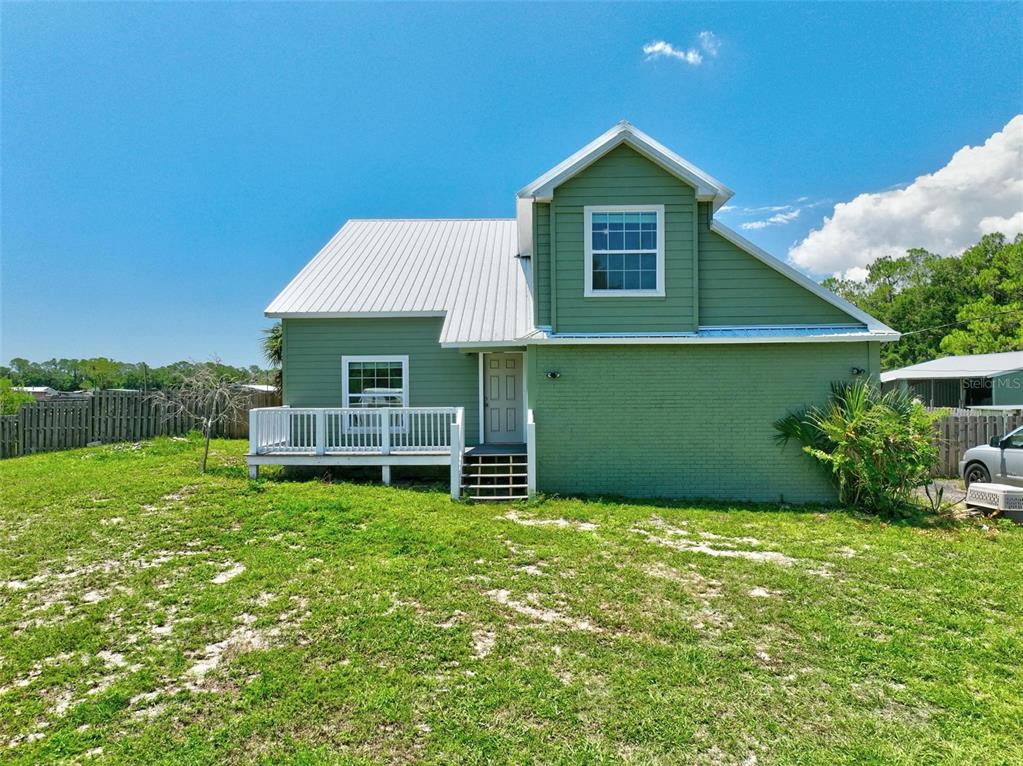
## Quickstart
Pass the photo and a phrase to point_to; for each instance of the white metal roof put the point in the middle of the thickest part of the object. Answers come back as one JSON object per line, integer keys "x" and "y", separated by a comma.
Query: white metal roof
{"x": 707, "y": 187}
{"x": 464, "y": 270}
{"x": 971, "y": 366}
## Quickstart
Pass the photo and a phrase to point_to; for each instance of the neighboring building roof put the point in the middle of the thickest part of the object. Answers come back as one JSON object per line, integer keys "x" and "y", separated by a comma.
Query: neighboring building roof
{"x": 34, "y": 389}
{"x": 257, "y": 387}
{"x": 707, "y": 187}
{"x": 464, "y": 270}
{"x": 971, "y": 366}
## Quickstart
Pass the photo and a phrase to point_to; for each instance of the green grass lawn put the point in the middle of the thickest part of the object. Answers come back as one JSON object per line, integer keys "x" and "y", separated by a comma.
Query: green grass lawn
{"x": 149, "y": 614}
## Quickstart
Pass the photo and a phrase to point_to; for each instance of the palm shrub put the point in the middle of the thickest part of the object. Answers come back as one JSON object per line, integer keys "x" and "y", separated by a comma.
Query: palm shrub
{"x": 876, "y": 446}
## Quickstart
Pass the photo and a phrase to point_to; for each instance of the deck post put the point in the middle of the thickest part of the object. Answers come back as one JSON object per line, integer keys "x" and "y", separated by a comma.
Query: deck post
{"x": 253, "y": 471}
{"x": 254, "y": 432}
{"x": 385, "y": 475}
{"x": 321, "y": 432}
{"x": 530, "y": 454}
{"x": 385, "y": 430}
{"x": 457, "y": 448}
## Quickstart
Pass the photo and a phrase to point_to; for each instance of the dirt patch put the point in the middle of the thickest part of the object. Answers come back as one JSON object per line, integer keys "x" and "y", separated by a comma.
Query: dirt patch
{"x": 483, "y": 643}
{"x": 228, "y": 574}
{"x": 682, "y": 540}
{"x": 539, "y": 613}
{"x": 242, "y": 639}
{"x": 529, "y": 521}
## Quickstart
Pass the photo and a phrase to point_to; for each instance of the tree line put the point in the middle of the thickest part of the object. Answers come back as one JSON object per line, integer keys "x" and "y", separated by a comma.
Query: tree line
{"x": 100, "y": 372}
{"x": 966, "y": 304}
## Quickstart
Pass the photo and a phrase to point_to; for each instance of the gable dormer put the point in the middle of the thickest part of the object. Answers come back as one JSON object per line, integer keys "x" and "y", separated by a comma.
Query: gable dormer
{"x": 613, "y": 234}
{"x": 623, "y": 240}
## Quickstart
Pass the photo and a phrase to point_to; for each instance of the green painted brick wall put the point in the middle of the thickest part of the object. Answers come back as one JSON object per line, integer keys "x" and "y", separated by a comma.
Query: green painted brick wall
{"x": 736, "y": 288}
{"x": 682, "y": 421}
{"x": 621, "y": 177}
{"x": 438, "y": 377}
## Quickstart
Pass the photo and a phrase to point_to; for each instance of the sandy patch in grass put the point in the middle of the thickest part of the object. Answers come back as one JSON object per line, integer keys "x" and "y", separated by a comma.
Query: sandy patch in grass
{"x": 529, "y": 521}
{"x": 530, "y": 569}
{"x": 759, "y": 592}
{"x": 483, "y": 643}
{"x": 703, "y": 590}
{"x": 241, "y": 639}
{"x": 539, "y": 613}
{"x": 228, "y": 574}
{"x": 681, "y": 540}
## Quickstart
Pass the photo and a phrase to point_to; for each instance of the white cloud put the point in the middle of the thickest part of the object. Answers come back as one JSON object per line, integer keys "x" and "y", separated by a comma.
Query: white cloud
{"x": 979, "y": 191}
{"x": 663, "y": 49}
{"x": 708, "y": 43}
{"x": 788, "y": 215}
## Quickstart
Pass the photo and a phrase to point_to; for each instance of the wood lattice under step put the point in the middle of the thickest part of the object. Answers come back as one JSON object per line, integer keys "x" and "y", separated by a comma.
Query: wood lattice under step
{"x": 495, "y": 477}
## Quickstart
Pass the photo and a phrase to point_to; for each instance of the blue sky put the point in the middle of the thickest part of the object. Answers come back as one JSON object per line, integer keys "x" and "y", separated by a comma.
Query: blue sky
{"x": 167, "y": 168}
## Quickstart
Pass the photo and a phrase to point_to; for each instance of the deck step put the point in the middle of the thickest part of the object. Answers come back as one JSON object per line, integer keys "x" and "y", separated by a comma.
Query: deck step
{"x": 495, "y": 477}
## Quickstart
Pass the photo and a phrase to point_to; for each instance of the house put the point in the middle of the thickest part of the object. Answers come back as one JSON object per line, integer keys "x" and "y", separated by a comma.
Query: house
{"x": 39, "y": 393}
{"x": 614, "y": 338}
{"x": 976, "y": 380}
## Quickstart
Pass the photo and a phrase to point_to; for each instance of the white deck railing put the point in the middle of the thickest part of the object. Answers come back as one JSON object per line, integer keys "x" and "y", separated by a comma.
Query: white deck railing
{"x": 355, "y": 430}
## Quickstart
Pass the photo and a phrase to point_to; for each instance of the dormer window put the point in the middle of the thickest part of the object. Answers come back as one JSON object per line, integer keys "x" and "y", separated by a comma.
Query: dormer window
{"x": 624, "y": 250}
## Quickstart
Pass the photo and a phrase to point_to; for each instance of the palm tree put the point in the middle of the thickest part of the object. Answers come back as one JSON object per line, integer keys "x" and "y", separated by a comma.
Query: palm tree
{"x": 273, "y": 349}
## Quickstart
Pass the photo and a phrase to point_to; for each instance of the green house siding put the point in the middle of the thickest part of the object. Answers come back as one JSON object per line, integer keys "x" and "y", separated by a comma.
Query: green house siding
{"x": 738, "y": 289}
{"x": 682, "y": 421}
{"x": 1007, "y": 388}
{"x": 438, "y": 377}
{"x": 621, "y": 177}
{"x": 542, "y": 264}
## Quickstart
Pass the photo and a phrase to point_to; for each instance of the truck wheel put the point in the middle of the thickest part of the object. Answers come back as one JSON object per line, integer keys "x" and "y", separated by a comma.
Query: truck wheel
{"x": 976, "y": 472}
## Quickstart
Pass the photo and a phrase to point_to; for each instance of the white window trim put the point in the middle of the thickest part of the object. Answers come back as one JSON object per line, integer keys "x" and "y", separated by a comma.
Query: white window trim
{"x": 391, "y": 358}
{"x": 349, "y": 423}
{"x": 588, "y": 212}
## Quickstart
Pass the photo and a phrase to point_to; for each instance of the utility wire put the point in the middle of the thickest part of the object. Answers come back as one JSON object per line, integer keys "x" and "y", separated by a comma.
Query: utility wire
{"x": 965, "y": 321}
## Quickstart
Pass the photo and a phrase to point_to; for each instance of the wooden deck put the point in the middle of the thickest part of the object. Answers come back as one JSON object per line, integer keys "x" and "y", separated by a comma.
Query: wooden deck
{"x": 385, "y": 437}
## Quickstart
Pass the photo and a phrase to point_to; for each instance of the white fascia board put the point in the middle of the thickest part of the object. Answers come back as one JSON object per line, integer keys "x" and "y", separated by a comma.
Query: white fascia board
{"x": 707, "y": 187}
{"x": 873, "y": 324}
{"x": 661, "y": 340}
{"x": 485, "y": 344}
{"x": 352, "y": 314}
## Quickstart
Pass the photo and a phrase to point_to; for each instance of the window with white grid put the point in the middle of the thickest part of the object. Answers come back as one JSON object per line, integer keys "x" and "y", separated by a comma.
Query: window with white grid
{"x": 624, "y": 250}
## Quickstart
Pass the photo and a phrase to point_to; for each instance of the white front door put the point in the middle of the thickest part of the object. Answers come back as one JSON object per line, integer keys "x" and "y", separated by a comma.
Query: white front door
{"x": 502, "y": 399}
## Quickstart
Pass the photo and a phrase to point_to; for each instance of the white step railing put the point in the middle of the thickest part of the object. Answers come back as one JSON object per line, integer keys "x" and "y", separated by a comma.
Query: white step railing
{"x": 530, "y": 454}
{"x": 355, "y": 430}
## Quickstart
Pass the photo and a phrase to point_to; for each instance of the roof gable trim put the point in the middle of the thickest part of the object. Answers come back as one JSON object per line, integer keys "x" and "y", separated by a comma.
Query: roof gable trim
{"x": 707, "y": 187}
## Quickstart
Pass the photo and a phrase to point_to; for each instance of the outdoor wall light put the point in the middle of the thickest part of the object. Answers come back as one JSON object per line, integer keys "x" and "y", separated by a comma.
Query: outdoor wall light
{"x": 857, "y": 371}
{"x": 553, "y": 374}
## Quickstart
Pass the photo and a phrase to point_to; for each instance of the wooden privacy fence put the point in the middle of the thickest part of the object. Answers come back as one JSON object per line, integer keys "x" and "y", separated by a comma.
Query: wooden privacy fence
{"x": 955, "y": 433}
{"x": 108, "y": 416}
